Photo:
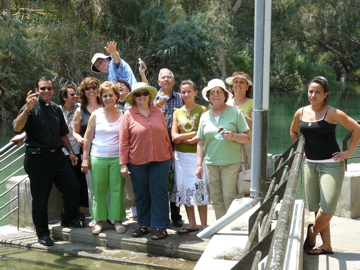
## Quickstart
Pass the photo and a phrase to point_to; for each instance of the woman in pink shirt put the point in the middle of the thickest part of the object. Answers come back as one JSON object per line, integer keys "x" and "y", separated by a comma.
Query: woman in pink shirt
{"x": 145, "y": 154}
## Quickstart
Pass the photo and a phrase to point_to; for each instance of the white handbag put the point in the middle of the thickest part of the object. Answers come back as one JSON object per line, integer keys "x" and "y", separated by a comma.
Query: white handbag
{"x": 244, "y": 178}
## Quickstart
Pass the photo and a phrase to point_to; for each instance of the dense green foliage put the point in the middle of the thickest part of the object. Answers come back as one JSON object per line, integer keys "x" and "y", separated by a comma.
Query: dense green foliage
{"x": 196, "y": 39}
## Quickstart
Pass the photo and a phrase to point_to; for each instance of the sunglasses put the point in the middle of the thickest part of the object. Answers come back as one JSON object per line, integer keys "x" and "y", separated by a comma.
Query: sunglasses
{"x": 93, "y": 87}
{"x": 73, "y": 94}
{"x": 145, "y": 94}
{"x": 46, "y": 88}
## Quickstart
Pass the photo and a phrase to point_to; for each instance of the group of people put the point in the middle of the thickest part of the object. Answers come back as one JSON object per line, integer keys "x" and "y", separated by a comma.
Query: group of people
{"x": 126, "y": 137}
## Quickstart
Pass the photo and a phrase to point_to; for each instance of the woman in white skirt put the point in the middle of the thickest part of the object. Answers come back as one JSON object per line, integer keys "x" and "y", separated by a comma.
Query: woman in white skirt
{"x": 188, "y": 190}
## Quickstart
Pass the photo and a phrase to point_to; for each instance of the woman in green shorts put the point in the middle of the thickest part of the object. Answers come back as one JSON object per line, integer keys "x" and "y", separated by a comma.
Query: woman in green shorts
{"x": 324, "y": 168}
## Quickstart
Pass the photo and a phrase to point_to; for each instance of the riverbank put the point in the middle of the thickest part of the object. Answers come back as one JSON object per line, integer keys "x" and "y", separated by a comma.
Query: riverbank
{"x": 175, "y": 252}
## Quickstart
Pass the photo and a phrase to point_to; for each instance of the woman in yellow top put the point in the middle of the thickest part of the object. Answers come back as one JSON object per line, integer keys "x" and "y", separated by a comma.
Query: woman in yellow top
{"x": 188, "y": 189}
{"x": 241, "y": 87}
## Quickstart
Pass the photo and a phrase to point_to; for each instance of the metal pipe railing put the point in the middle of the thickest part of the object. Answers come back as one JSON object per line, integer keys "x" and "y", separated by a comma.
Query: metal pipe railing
{"x": 278, "y": 247}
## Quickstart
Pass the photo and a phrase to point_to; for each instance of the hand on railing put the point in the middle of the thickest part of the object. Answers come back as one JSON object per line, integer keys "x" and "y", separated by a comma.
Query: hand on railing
{"x": 18, "y": 138}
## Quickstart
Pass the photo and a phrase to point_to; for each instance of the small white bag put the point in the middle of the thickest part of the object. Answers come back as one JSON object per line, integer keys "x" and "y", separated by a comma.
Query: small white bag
{"x": 244, "y": 178}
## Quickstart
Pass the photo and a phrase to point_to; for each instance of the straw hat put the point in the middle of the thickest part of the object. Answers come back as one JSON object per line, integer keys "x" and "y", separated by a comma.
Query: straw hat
{"x": 138, "y": 87}
{"x": 230, "y": 80}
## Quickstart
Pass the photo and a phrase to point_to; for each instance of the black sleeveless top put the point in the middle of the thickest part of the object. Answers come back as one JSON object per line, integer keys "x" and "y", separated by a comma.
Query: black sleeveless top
{"x": 85, "y": 116}
{"x": 320, "y": 138}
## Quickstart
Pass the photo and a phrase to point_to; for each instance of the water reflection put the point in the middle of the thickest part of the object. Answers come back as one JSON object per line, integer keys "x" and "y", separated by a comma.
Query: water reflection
{"x": 20, "y": 258}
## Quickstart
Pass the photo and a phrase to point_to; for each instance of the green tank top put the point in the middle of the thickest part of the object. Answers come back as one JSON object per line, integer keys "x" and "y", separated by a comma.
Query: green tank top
{"x": 187, "y": 124}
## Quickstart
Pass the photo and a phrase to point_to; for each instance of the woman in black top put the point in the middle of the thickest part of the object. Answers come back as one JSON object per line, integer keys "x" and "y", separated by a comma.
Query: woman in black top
{"x": 89, "y": 102}
{"x": 324, "y": 169}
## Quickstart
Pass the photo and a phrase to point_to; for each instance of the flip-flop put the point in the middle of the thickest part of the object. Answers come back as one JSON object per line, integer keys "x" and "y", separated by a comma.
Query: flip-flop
{"x": 307, "y": 246}
{"x": 187, "y": 230}
{"x": 322, "y": 252}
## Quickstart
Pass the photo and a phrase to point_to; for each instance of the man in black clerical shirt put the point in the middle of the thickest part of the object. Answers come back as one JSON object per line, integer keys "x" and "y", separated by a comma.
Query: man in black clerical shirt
{"x": 45, "y": 162}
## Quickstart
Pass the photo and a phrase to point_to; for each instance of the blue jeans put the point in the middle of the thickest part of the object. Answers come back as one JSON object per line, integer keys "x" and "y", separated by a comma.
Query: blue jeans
{"x": 150, "y": 183}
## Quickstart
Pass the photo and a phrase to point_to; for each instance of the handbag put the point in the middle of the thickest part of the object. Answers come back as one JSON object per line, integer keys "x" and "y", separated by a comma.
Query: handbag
{"x": 244, "y": 177}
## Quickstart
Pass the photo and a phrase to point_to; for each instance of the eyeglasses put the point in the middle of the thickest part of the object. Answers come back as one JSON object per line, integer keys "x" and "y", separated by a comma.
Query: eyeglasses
{"x": 93, "y": 87}
{"x": 217, "y": 92}
{"x": 108, "y": 96}
{"x": 46, "y": 88}
{"x": 145, "y": 94}
{"x": 166, "y": 77}
{"x": 73, "y": 94}
{"x": 121, "y": 85}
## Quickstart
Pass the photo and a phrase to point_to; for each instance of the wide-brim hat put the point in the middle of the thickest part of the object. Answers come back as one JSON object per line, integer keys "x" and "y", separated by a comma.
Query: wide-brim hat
{"x": 212, "y": 84}
{"x": 230, "y": 80}
{"x": 96, "y": 57}
{"x": 141, "y": 86}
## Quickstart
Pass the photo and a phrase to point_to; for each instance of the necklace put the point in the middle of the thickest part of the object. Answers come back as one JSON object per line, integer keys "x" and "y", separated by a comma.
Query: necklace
{"x": 188, "y": 120}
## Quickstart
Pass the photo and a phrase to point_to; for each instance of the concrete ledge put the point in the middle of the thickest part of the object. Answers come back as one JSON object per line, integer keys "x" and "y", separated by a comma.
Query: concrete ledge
{"x": 349, "y": 201}
{"x": 188, "y": 247}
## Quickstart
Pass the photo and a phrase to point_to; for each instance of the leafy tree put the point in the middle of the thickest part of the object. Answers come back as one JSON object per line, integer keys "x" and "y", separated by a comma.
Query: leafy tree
{"x": 21, "y": 63}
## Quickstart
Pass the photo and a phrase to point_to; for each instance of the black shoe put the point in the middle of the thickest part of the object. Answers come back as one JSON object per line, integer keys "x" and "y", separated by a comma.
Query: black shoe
{"x": 178, "y": 223}
{"x": 46, "y": 241}
{"x": 73, "y": 224}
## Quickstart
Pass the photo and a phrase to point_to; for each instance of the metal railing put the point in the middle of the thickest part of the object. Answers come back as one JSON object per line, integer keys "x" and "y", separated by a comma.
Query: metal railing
{"x": 282, "y": 185}
{"x": 345, "y": 146}
{"x": 7, "y": 152}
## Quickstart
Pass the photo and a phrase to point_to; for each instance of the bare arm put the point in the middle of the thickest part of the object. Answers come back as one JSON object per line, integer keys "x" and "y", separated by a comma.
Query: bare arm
{"x": 142, "y": 72}
{"x": 77, "y": 128}
{"x": 350, "y": 124}
{"x": 295, "y": 126}
{"x": 111, "y": 48}
{"x": 20, "y": 121}
{"x": 200, "y": 158}
{"x": 89, "y": 135}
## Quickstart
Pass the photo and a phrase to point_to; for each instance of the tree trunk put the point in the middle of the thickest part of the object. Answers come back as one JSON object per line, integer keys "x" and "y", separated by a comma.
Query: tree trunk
{"x": 5, "y": 6}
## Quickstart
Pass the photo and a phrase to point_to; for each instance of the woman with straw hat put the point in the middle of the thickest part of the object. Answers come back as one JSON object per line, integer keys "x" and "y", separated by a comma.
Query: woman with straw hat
{"x": 145, "y": 155}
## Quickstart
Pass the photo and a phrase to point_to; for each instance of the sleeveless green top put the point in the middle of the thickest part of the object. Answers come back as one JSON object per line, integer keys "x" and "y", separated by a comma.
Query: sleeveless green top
{"x": 187, "y": 124}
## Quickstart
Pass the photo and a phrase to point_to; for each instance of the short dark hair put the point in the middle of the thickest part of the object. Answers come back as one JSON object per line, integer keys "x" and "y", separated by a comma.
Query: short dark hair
{"x": 124, "y": 82}
{"x": 43, "y": 78}
{"x": 64, "y": 93}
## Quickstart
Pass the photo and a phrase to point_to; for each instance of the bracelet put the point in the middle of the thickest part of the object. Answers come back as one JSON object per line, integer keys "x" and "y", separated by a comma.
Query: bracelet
{"x": 235, "y": 138}
{"x": 71, "y": 152}
{"x": 199, "y": 165}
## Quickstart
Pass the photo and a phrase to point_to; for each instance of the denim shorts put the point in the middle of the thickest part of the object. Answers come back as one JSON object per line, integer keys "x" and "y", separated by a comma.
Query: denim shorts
{"x": 322, "y": 185}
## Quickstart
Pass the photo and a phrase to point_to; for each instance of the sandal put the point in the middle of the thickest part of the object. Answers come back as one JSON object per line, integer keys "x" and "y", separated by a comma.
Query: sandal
{"x": 160, "y": 234}
{"x": 140, "y": 231}
{"x": 120, "y": 228}
{"x": 92, "y": 223}
{"x": 97, "y": 229}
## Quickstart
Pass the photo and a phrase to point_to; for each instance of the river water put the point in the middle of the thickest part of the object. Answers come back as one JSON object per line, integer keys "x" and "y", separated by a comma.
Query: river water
{"x": 282, "y": 108}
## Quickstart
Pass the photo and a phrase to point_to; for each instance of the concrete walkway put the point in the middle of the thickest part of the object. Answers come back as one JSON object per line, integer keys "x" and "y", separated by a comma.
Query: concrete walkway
{"x": 345, "y": 236}
{"x": 185, "y": 250}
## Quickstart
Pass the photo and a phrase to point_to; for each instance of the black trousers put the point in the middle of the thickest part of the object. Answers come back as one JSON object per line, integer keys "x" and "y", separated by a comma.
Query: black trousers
{"x": 44, "y": 170}
{"x": 83, "y": 200}
{"x": 174, "y": 212}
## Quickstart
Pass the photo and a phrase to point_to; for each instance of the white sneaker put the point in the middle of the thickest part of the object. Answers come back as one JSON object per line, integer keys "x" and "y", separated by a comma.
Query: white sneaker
{"x": 133, "y": 213}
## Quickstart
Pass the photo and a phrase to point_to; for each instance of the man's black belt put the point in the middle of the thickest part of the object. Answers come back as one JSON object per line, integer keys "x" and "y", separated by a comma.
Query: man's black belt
{"x": 36, "y": 151}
